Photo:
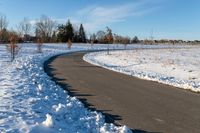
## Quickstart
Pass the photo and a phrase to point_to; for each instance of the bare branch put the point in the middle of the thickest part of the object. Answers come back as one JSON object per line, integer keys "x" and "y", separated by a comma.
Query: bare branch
{"x": 3, "y": 22}
{"x": 45, "y": 27}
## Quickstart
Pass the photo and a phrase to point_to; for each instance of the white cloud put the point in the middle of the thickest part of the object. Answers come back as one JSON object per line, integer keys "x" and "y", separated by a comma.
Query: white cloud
{"x": 95, "y": 16}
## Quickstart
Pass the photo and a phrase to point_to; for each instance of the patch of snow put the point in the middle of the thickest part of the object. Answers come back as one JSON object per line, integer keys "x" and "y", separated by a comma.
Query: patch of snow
{"x": 178, "y": 66}
{"x": 49, "y": 121}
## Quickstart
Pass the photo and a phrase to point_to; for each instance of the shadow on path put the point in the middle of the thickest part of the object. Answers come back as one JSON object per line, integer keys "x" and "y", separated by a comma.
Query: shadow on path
{"x": 109, "y": 118}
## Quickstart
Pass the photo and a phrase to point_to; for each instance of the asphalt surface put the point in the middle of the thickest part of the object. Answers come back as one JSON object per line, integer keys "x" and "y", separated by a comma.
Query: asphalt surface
{"x": 144, "y": 106}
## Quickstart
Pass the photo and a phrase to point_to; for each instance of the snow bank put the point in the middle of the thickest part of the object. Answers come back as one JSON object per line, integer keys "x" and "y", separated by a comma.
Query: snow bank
{"x": 31, "y": 102}
{"x": 174, "y": 66}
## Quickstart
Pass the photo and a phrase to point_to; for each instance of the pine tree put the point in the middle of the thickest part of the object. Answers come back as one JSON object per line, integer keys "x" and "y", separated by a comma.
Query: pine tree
{"x": 82, "y": 36}
{"x": 76, "y": 37}
{"x": 69, "y": 31}
{"x": 61, "y": 37}
{"x": 135, "y": 40}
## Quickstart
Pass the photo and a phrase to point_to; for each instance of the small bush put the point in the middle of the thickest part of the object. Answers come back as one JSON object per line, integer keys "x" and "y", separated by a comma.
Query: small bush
{"x": 69, "y": 44}
{"x": 39, "y": 45}
{"x": 13, "y": 48}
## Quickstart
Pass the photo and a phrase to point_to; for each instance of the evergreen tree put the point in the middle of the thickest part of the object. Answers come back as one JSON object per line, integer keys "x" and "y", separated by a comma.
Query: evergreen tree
{"x": 65, "y": 32}
{"x": 69, "y": 31}
{"x": 82, "y": 36}
{"x": 76, "y": 37}
{"x": 135, "y": 40}
{"x": 61, "y": 37}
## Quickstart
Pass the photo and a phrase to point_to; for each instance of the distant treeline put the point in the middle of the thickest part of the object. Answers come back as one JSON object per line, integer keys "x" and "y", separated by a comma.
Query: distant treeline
{"x": 47, "y": 30}
{"x": 166, "y": 41}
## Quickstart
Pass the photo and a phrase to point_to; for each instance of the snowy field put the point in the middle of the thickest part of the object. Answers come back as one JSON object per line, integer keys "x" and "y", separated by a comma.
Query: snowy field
{"x": 31, "y": 102}
{"x": 179, "y": 67}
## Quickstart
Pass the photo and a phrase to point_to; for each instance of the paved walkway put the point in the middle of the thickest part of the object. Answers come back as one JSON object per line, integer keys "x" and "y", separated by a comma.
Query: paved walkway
{"x": 143, "y": 105}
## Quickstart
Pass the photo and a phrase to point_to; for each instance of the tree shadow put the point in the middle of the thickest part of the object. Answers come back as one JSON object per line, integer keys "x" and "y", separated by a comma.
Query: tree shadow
{"x": 109, "y": 118}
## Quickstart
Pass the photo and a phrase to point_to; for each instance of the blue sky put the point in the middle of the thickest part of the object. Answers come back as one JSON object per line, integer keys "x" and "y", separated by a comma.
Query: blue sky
{"x": 172, "y": 19}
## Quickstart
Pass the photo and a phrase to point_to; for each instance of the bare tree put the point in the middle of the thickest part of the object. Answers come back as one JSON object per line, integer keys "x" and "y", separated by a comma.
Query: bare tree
{"x": 45, "y": 27}
{"x": 109, "y": 38}
{"x": 12, "y": 47}
{"x": 39, "y": 45}
{"x": 126, "y": 41}
{"x": 92, "y": 40}
{"x": 100, "y": 36}
{"x": 69, "y": 44}
{"x": 3, "y": 22}
{"x": 24, "y": 28}
{"x": 117, "y": 39}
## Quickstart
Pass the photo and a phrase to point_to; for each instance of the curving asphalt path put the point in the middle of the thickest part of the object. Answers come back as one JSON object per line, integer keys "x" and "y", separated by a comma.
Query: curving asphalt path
{"x": 144, "y": 106}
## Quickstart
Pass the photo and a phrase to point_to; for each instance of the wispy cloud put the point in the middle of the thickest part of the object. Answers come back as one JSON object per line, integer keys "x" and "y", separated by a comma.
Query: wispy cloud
{"x": 95, "y": 16}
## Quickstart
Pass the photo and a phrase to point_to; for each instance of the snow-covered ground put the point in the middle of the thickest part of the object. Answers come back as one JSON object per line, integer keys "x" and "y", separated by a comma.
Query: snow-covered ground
{"x": 31, "y": 102}
{"x": 178, "y": 66}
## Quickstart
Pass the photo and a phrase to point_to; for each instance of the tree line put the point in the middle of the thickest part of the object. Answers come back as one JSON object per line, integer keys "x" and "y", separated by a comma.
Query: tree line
{"x": 45, "y": 29}
{"x": 48, "y": 30}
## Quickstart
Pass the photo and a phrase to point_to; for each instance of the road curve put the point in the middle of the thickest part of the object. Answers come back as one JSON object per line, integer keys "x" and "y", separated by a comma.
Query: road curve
{"x": 142, "y": 105}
